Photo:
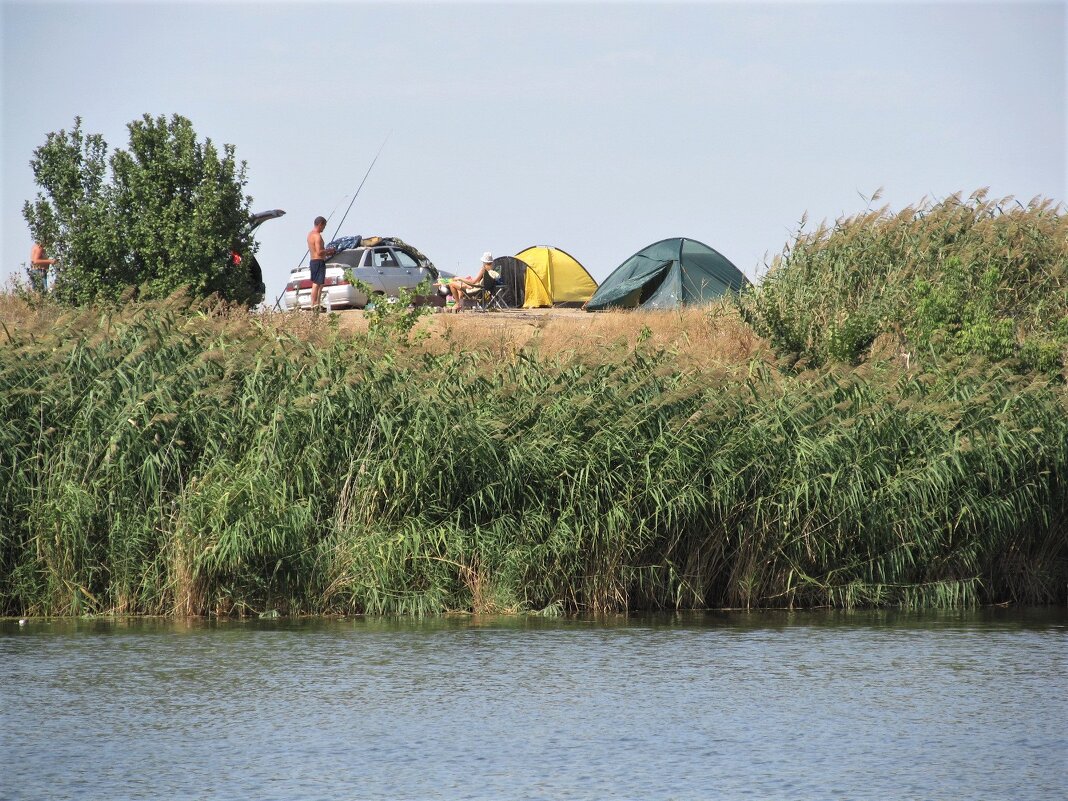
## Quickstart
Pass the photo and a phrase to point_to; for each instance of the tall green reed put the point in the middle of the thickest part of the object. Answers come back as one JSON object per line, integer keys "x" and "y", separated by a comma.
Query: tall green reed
{"x": 976, "y": 276}
{"x": 182, "y": 459}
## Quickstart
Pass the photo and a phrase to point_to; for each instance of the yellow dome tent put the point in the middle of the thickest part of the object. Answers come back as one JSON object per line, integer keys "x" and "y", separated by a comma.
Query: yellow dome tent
{"x": 555, "y": 278}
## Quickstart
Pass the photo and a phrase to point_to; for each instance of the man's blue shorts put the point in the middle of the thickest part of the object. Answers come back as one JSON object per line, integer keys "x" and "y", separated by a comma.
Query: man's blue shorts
{"x": 318, "y": 271}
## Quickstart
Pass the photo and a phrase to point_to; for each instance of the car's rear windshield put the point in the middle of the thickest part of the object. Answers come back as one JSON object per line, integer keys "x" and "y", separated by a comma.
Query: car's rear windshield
{"x": 347, "y": 258}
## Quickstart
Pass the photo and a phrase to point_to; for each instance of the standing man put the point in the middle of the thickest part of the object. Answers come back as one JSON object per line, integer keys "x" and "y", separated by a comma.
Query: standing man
{"x": 319, "y": 254}
{"x": 39, "y": 264}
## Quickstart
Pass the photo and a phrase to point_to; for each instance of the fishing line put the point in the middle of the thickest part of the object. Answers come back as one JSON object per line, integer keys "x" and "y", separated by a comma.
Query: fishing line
{"x": 278, "y": 300}
{"x": 379, "y": 153}
{"x": 306, "y": 252}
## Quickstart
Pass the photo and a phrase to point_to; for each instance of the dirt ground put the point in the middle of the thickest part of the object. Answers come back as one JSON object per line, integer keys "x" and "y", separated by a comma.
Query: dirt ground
{"x": 711, "y": 333}
{"x": 714, "y": 331}
{"x": 352, "y": 319}
{"x": 516, "y": 326}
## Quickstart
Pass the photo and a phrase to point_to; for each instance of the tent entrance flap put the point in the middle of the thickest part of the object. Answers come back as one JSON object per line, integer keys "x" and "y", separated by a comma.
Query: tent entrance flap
{"x": 642, "y": 285}
{"x": 513, "y": 279}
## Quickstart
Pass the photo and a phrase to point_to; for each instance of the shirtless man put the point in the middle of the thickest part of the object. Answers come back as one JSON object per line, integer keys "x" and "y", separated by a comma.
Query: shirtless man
{"x": 39, "y": 264}
{"x": 319, "y": 254}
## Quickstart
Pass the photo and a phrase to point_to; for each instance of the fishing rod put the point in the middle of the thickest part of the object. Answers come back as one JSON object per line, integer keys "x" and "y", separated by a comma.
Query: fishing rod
{"x": 306, "y": 252}
{"x": 278, "y": 300}
{"x": 379, "y": 153}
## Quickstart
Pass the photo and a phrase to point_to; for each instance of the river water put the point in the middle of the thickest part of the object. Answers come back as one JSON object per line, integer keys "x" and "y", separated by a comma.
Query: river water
{"x": 817, "y": 705}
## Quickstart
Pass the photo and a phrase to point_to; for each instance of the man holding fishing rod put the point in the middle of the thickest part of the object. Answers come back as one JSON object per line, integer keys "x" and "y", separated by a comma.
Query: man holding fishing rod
{"x": 319, "y": 254}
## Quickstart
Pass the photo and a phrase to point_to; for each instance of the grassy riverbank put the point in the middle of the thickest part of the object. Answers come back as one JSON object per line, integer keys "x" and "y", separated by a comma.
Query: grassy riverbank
{"x": 883, "y": 422}
{"x": 188, "y": 460}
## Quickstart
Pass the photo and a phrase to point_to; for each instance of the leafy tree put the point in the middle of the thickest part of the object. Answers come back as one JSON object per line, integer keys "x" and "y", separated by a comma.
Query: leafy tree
{"x": 168, "y": 215}
{"x": 75, "y": 222}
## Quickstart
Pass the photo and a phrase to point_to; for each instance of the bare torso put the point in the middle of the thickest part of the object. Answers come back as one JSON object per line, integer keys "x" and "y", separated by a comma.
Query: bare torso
{"x": 38, "y": 259}
{"x": 315, "y": 244}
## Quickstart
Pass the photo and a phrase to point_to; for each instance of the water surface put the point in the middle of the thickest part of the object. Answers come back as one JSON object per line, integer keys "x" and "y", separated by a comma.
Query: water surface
{"x": 769, "y": 705}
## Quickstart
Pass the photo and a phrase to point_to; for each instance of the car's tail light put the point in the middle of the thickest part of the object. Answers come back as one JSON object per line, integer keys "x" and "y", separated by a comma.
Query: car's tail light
{"x": 306, "y": 283}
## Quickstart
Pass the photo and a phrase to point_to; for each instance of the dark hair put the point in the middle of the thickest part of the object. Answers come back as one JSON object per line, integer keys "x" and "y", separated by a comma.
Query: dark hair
{"x": 320, "y": 221}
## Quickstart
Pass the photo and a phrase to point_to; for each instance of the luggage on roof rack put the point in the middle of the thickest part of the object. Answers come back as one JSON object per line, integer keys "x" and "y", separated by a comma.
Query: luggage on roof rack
{"x": 345, "y": 242}
{"x": 350, "y": 242}
{"x": 414, "y": 252}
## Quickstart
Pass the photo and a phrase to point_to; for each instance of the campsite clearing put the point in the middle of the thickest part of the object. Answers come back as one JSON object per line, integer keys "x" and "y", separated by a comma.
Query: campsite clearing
{"x": 711, "y": 333}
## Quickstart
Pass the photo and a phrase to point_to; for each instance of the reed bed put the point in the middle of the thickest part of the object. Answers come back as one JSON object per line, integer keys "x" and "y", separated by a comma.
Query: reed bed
{"x": 960, "y": 277}
{"x": 178, "y": 458}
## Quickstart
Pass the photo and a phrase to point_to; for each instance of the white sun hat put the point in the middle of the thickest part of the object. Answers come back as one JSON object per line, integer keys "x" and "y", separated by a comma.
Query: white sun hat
{"x": 487, "y": 258}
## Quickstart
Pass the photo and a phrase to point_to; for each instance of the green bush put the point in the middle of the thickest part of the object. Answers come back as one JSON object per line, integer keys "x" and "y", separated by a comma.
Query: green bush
{"x": 165, "y": 214}
{"x": 393, "y": 318}
{"x": 975, "y": 277}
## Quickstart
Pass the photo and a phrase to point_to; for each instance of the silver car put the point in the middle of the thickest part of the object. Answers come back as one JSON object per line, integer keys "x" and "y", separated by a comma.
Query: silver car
{"x": 387, "y": 266}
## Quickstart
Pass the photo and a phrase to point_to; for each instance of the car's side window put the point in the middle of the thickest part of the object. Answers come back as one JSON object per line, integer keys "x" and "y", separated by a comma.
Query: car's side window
{"x": 404, "y": 259}
{"x": 384, "y": 258}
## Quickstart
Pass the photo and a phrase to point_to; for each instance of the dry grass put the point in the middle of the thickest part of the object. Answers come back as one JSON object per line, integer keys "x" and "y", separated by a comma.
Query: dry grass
{"x": 16, "y": 313}
{"x": 703, "y": 335}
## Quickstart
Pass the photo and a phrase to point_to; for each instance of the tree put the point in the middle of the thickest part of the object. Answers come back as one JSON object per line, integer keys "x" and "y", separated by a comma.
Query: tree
{"x": 171, "y": 215}
{"x": 75, "y": 221}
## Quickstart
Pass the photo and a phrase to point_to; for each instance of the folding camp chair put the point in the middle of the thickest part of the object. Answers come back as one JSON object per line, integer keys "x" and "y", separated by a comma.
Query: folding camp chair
{"x": 498, "y": 297}
{"x": 487, "y": 295}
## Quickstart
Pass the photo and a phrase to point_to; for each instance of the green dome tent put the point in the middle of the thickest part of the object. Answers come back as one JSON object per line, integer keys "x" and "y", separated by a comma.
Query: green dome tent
{"x": 666, "y": 274}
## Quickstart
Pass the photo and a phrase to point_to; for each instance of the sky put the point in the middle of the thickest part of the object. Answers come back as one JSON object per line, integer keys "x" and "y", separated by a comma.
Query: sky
{"x": 598, "y": 128}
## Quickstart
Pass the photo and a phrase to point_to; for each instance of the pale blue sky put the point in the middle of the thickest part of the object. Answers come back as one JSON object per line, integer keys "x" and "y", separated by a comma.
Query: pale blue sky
{"x": 597, "y": 128}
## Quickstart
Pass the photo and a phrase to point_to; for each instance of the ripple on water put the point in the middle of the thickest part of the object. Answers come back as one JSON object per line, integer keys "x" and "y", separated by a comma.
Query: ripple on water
{"x": 763, "y": 706}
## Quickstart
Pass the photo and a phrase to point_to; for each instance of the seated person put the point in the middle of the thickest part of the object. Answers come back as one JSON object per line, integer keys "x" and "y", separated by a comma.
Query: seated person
{"x": 485, "y": 279}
